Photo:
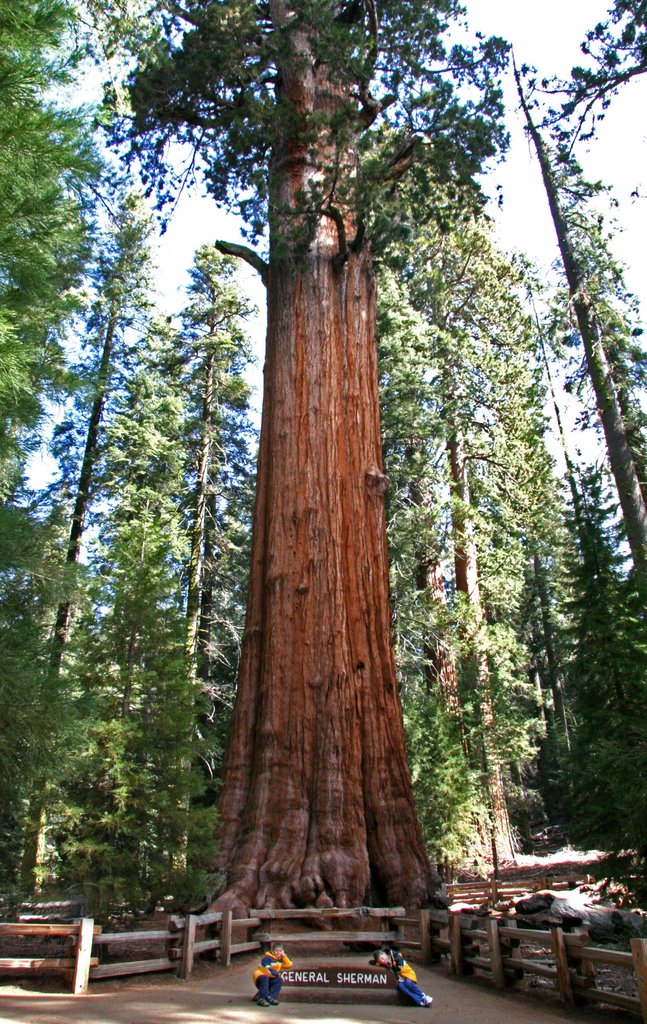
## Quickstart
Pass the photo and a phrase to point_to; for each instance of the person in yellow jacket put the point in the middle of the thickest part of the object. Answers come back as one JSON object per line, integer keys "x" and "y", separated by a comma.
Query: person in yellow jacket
{"x": 267, "y": 976}
{"x": 405, "y": 975}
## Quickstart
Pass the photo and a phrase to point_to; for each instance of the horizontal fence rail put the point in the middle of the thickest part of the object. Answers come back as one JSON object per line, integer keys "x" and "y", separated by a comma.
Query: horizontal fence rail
{"x": 495, "y": 890}
{"x": 492, "y": 945}
{"x": 79, "y": 938}
{"x": 496, "y": 947}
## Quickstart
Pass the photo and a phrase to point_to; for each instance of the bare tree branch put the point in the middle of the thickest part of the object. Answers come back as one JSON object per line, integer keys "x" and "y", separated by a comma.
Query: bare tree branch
{"x": 242, "y": 252}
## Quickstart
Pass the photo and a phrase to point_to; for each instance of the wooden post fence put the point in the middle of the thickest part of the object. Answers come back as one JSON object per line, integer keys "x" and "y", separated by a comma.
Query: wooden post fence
{"x": 455, "y": 943}
{"x": 639, "y": 956}
{"x": 75, "y": 967}
{"x": 225, "y": 938}
{"x": 494, "y": 944}
{"x": 81, "y": 974}
{"x": 186, "y": 965}
{"x": 561, "y": 964}
{"x": 424, "y": 919}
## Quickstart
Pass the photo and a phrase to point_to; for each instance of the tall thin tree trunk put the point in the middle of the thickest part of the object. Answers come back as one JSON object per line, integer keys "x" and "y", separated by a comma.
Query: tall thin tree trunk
{"x": 64, "y": 612}
{"x": 317, "y": 805}
{"x": 198, "y": 533}
{"x": 621, "y": 459}
{"x": 467, "y": 583}
{"x": 440, "y": 667}
{"x": 555, "y": 677}
{"x": 571, "y": 472}
{"x": 205, "y": 625}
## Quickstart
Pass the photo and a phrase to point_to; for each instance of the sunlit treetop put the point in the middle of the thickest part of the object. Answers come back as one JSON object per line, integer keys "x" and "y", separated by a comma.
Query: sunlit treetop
{"x": 615, "y": 51}
{"x": 237, "y": 81}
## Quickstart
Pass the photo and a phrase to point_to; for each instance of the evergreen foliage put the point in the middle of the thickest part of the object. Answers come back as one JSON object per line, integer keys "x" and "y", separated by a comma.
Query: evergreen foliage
{"x": 458, "y": 353}
{"x": 122, "y": 738}
{"x": 607, "y": 671}
{"x": 615, "y": 51}
{"x": 47, "y": 172}
{"x": 213, "y": 351}
{"x": 46, "y": 168}
{"x": 129, "y": 820}
{"x": 209, "y": 80}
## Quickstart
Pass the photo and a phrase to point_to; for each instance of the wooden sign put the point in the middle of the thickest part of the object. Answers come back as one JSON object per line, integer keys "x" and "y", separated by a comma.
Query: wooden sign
{"x": 340, "y": 976}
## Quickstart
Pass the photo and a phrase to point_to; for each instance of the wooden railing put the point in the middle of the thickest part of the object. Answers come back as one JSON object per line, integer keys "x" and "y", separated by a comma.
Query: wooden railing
{"x": 493, "y": 890}
{"x": 389, "y": 919}
{"x": 214, "y": 933}
{"x": 76, "y": 966}
{"x": 493, "y": 946}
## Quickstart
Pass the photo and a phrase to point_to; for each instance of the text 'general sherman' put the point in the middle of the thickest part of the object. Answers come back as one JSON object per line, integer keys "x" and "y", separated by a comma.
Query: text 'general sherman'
{"x": 337, "y": 978}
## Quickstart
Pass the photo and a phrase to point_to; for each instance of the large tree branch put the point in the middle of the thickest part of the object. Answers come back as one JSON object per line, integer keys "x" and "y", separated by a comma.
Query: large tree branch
{"x": 401, "y": 160}
{"x": 242, "y": 252}
{"x": 372, "y": 108}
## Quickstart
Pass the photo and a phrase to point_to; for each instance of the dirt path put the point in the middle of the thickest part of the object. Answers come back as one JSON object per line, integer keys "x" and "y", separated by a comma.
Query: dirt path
{"x": 218, "y": 996}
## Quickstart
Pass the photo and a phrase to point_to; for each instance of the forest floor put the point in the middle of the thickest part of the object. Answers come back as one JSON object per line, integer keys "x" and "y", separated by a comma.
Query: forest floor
{"x": 215, "y": 995}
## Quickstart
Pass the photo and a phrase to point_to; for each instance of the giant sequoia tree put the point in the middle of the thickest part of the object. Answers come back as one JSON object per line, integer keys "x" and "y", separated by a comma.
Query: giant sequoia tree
{"x": 306, "y": 115}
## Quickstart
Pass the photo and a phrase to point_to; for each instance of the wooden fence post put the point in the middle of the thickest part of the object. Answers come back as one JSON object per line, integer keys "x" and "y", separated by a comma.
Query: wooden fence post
{"x": 456, "y": 945}
{"x": 173, "y": 943}
{"x": 425, "y": 936}
{"x": 639, "y": 954}
{"x": 584, "y": 968}
{"x": 81, "y": 974}
{"x": 494, "y": 942}
{"x": 493, "y": 890}
{"x": 225, "y": 937}
{"x": 186, "y": 966}
{"x": 515, "y": 952}
{"x": 561, "y": 963}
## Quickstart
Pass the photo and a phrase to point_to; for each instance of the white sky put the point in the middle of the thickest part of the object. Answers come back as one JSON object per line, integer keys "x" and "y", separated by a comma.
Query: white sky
{"x": 548, "y": 36}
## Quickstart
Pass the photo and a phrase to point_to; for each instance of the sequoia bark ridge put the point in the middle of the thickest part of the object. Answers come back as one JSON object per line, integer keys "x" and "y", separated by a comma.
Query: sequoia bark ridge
{"x": 317, "y": 805}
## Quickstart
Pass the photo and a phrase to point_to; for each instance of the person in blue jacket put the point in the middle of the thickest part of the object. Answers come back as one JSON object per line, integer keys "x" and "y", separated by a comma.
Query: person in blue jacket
{"x": 405, "y": 975}
{"x": 267, "y": 976}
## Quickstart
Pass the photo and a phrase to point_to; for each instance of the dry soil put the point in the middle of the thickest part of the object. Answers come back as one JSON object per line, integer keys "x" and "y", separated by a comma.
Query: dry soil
{"x": 215, "y": 995}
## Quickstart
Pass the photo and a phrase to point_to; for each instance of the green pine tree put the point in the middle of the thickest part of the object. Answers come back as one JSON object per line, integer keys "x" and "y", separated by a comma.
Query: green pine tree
{"x": 131, "y": 818}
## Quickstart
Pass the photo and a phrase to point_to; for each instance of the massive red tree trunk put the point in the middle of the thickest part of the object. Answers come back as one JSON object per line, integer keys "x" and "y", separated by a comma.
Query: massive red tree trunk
{"x": 317, "y": 800}
{"x": 317, "y": 805}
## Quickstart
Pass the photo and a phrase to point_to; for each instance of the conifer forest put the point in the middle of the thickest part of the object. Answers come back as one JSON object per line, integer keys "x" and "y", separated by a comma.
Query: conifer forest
{"x": 392, "y": 625}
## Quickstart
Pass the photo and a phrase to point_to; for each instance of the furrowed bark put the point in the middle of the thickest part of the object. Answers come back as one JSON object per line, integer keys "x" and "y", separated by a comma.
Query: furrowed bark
{"x": 317, "y": 796}
{"x": 196, "y": 560}
{"x": 316, "y": 805}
